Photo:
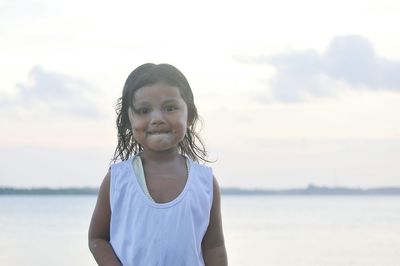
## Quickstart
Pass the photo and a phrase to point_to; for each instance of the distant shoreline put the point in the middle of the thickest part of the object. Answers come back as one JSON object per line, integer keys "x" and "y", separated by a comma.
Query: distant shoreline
{"x": 310, "y": 190}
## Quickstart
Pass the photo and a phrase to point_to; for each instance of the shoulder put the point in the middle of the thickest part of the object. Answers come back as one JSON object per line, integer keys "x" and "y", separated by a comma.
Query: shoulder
{"x": 120, "y": 165}
{"x": 120, "y": 173}
{"x": 202, "y": 180}
{"x": 201, "y": 168}
{"x": 203, "y": 173}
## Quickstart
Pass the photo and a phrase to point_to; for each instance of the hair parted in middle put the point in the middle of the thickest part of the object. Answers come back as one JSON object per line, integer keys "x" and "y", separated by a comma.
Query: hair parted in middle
{"x": 150, "y": 74}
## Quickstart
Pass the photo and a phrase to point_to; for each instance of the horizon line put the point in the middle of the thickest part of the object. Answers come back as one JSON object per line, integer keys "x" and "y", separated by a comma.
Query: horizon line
{"x": 307, "y": 191}
{"x": 309, "y": 186}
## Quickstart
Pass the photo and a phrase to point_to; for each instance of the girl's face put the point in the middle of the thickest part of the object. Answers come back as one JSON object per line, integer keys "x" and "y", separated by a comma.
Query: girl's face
{"x": 159, "y": 117}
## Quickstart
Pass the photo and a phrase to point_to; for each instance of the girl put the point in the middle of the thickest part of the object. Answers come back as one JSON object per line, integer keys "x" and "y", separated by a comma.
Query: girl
{"x": 158, "y": 206}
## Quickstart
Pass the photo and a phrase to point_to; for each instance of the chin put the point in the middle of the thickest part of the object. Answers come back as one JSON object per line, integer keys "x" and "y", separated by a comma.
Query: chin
{"x": 162, "y": 148}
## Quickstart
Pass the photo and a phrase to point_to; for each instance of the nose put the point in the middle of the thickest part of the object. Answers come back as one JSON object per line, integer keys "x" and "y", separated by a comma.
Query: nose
{"x": 157, "y": 117}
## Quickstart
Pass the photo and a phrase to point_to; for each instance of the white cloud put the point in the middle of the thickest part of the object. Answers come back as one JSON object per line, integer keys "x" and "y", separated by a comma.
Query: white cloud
{"x": 53, "y": 93}
{"x": 350, "y": 59}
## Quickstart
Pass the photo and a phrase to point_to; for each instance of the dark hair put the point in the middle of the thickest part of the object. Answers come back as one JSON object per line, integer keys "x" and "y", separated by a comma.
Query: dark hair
{"x": 149, "y": 74}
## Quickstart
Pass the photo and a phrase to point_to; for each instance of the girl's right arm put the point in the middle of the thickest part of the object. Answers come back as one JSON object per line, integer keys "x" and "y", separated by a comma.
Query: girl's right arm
{"x": 99, "y": 230}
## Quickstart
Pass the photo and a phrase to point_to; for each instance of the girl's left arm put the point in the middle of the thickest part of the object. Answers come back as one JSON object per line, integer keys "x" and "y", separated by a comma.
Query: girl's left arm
{"x": 213, "y": 245}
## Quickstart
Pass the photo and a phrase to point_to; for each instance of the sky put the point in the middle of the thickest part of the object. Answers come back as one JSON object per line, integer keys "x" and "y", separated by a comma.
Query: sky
{"x": 290, "y": 92}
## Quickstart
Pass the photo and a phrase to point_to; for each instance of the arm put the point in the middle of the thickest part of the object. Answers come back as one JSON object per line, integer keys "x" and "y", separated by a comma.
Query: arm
{"x": 213, "y": 245}
{"x": 99, "y": 230}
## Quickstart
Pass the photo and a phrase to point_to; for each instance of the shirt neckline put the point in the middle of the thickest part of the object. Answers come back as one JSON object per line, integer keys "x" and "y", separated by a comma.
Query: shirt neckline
{"x": 165, "y": 204}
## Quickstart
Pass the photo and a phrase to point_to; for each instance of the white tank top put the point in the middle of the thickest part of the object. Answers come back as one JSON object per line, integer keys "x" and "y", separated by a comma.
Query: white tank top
{"x": 143, "y": 232}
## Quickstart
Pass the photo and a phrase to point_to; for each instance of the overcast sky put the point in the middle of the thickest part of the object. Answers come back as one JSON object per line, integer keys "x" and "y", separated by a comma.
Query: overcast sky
{"x": 290, "y": 92}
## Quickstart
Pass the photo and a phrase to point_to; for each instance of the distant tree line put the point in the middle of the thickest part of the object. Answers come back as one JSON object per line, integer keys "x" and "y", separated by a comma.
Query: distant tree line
{"x": 310, "y": 190}
{"x": 314, "y": 190}
{"x": 48, "y": 191}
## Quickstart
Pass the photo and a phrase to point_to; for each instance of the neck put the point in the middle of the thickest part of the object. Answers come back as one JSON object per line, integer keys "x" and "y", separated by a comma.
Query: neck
{"x": 160, "y": 156}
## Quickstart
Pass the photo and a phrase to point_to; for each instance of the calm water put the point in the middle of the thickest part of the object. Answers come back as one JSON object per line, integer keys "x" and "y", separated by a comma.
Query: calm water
{"x": 283, "y": 231}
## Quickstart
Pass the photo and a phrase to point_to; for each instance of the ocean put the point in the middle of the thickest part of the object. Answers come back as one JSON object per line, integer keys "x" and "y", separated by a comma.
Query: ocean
{"x": 259, "y": 230}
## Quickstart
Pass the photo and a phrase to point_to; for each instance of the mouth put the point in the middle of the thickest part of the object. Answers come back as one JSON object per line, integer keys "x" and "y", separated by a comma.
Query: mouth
{"x": 157, "y": 132}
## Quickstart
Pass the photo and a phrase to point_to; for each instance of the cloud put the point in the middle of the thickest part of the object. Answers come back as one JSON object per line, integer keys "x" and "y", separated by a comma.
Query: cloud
{"x": 350, "y": 59}
{"x": 54, "y": 93}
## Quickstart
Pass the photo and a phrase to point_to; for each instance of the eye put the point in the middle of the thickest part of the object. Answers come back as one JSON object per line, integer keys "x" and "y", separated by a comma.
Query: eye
{"x": 141, "y": 110}
{"x": 170, "y": 108}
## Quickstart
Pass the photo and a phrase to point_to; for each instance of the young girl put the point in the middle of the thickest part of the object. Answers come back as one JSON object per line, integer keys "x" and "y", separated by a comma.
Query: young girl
{"x": 158, "y": 206}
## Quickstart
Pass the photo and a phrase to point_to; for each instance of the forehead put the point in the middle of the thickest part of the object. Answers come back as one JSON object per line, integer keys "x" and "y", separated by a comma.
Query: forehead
{"x": 159, "y": 91}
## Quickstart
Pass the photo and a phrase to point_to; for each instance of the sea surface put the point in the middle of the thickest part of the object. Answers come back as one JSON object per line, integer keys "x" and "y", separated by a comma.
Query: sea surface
{"x": 259, "y": 230}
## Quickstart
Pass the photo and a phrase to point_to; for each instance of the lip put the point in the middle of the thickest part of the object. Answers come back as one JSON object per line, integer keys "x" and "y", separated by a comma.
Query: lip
{"x": 158, "y": 132}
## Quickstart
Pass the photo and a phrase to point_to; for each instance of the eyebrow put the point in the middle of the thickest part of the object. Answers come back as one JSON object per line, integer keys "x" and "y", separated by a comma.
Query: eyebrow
{"x": 170, "y": 100}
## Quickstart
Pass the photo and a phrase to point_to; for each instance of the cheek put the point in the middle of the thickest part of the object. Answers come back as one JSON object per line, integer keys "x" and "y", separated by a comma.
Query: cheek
{"x": 137, "y": 127}
{"x": 183, "y": 126}
{"x": 135, "y": 123}
{"x": 183, "y": 121}
{"x": 137, "y": 131}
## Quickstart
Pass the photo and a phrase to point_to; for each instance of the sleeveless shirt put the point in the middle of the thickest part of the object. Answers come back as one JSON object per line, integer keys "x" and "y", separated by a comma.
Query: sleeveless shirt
{"x": 143, "y": 232}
